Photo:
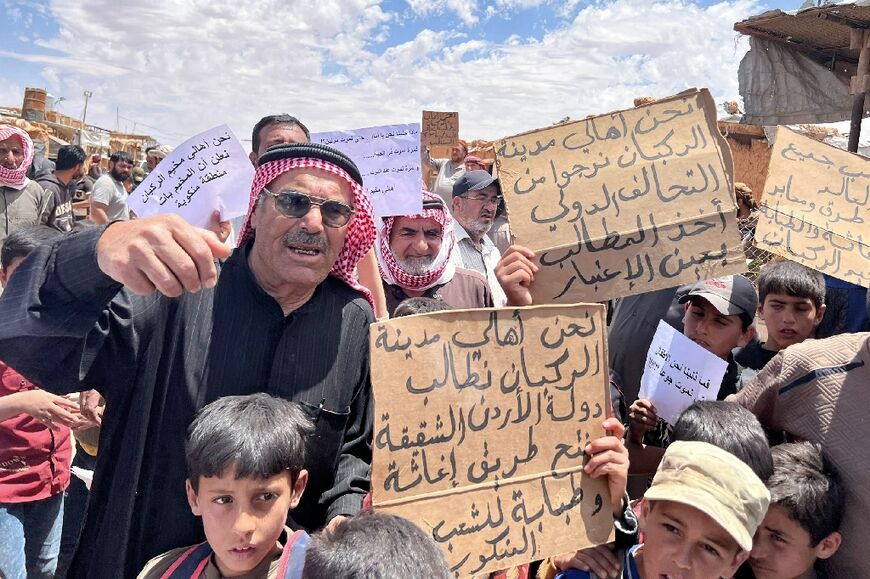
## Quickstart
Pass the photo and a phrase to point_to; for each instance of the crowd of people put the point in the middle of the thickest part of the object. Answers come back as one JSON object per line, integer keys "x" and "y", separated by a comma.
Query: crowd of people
{"x": 210, "y": 388}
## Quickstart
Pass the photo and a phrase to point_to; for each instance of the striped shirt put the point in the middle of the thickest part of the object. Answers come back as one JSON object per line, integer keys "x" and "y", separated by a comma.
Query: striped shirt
{"x": 482, "y": 259}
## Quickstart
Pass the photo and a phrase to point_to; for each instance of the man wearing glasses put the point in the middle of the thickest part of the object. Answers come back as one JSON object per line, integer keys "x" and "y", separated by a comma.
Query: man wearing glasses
{"x": 141, "y": 311}
{"x": 476, "y": 196}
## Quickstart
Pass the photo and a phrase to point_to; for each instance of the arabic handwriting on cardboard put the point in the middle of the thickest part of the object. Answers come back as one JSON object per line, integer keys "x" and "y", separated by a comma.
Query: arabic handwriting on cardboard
{"x": 624, "y": 203}
{"x": 814, "y": 209}
{"x": 439, "y": 128}
{"x": 482, "y": 417}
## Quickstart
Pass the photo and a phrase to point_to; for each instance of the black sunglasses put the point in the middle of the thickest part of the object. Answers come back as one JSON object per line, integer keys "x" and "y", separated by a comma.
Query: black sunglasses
{"x": 295, "y": 204}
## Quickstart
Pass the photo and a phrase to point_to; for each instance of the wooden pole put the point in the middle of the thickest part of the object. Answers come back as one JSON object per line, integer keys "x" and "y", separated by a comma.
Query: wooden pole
{"x": 860, "y": 40}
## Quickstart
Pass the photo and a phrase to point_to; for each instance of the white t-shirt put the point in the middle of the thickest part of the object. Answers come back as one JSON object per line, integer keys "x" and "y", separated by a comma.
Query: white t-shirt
{"x": 112, "y": 194}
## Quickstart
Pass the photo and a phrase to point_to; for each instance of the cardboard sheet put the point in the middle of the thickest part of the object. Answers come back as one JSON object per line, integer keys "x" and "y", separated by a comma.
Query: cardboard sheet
{"x": 624, "y": 203}
{"x": 814, "y": 209}
{"x": 481, "y": 418}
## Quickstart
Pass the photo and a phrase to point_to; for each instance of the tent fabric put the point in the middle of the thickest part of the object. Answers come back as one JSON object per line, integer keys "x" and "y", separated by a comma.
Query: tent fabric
{"x": 780, "y": 86}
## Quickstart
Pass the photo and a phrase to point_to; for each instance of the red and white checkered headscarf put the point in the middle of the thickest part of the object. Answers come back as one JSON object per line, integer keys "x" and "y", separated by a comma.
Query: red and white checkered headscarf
{"x": 16, "y": 177}
{"x": 360, "y": 229}
{"x": 442, "y": 269}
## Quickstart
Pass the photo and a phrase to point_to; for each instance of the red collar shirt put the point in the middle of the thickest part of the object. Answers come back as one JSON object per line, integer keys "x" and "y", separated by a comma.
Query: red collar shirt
{"x": 34, "y": 460}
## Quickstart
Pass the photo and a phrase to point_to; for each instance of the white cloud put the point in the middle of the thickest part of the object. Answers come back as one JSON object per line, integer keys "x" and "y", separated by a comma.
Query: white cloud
{"x": 465, "y": 10}
{"x": 187, "y": 65}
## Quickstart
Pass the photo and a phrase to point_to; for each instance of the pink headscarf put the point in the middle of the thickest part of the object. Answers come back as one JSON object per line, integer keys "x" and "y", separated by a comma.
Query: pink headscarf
{"x": 360, "y": 229}
{"x": 16, "y": 177}
{"x": 442, "y": 269}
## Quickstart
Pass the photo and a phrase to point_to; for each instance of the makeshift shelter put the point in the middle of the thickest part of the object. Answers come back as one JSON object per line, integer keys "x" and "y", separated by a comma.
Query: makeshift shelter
{"x": 807, "y": 66}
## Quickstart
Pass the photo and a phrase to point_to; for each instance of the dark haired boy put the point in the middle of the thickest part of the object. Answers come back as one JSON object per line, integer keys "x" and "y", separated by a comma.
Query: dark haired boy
{"x": 817, "y": 391}
{"x": 374, "y": 545}
{"x": 245, "y": 457}
{"x": 420, "y": 305}
{"x": 792, "y": 304}
{"x": 719, "y": 316}
{"x": 802, "y": 523}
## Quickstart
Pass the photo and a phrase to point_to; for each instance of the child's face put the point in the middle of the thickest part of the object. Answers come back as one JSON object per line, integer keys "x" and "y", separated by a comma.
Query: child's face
{"x": 719, "y": 334}
{"x": 682, "y": 542}
{"x": 243, "y": 518}
{"x": 789, "y": 320}
{"x": 781, "y": 548}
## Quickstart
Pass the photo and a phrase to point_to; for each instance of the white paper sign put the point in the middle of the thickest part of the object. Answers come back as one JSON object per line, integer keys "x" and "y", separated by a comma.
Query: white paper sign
{"x": 207, "y": 172}
{"x": 678, "y": 372}
{"x": 388, "y": 158}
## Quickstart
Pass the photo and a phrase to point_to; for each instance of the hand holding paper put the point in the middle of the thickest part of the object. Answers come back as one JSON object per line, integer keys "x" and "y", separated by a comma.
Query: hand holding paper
{"x": 678, "y": 372}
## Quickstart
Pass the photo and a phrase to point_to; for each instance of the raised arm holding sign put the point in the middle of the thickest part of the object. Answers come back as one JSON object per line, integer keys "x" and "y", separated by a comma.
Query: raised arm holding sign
{"x": 207, "y": 173}
{"x": 624, "y": 203}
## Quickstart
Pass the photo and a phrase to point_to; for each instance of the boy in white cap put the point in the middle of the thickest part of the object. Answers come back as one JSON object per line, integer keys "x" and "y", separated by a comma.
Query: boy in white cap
{"x": 698, "y": 517}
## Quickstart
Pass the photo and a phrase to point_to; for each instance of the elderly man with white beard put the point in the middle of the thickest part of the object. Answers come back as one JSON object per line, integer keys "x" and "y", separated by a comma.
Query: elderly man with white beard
{"x": 415, "y": 259}
{"x": 476, "y": 196}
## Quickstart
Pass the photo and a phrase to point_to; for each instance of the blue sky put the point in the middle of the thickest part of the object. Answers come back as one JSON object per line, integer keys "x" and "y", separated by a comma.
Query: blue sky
{"x": 177, "y": 67}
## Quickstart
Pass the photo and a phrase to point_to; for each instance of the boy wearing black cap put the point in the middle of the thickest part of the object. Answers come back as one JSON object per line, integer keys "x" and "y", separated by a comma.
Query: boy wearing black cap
{"x": 719, "y": 316}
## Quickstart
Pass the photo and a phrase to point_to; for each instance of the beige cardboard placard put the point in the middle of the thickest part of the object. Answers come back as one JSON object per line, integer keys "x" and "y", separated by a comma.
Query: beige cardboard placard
{"x": 624, "y": 203}
{"x": 481, "y": 418}
{"x": 439, "y": 128}
{"x": 814, "y": 209}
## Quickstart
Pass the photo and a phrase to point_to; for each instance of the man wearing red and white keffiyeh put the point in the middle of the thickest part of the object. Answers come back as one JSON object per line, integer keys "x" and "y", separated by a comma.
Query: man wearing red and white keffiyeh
{"x": 414, "y": 260}
{"x": 282, "y": 314}
{"x": 22, "y": 202}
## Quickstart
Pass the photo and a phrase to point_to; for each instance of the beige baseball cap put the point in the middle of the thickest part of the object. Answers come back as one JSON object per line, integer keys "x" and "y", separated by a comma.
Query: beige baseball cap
{"x": 716, "y": 483}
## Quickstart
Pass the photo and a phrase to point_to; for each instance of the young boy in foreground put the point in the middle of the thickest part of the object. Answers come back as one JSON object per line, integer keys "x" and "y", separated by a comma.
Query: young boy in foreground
{"x": 698, "y": 519}
{"x": 244, "y": 464}
{"x": 802, "y": 524}
{"x": 792, "y": 304}
{"x": 374, "y": 545}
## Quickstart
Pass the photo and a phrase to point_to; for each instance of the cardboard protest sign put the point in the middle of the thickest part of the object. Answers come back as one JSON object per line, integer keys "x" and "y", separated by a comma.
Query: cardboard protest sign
{"x": 207, "y": 172}
{"x": 814, "y": 209}
{"x": 481, "y": 418}
{"x": 624, "y": 203}
{"x": 439, "y": 132}
{"x": 388, "y": 158}
{"x": 678, "y": 372}
{"x": 439, "y": 128}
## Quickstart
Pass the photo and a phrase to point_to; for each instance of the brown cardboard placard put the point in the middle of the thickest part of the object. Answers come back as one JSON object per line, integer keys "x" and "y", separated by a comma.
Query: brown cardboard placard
{"x": 481, "y": 418}
{"x": 624, "y": 203}
{"x": 439, "y": 128}
{"x": 439, "y": 131}
{"x": 814, "y": 209}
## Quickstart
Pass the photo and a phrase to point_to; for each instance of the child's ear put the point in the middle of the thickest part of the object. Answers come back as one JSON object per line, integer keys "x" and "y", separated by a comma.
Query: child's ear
{"x": 643, "y": 512}
{"x": 746, "y": 336}
{"x": 192, "y": 498}
{"x": 820, "y": 313}
{"x": 2, "y": 278}
{"x": 739, "y": 559}
{"x": 829, "y": 545}
{"x": 299, "y": 488}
